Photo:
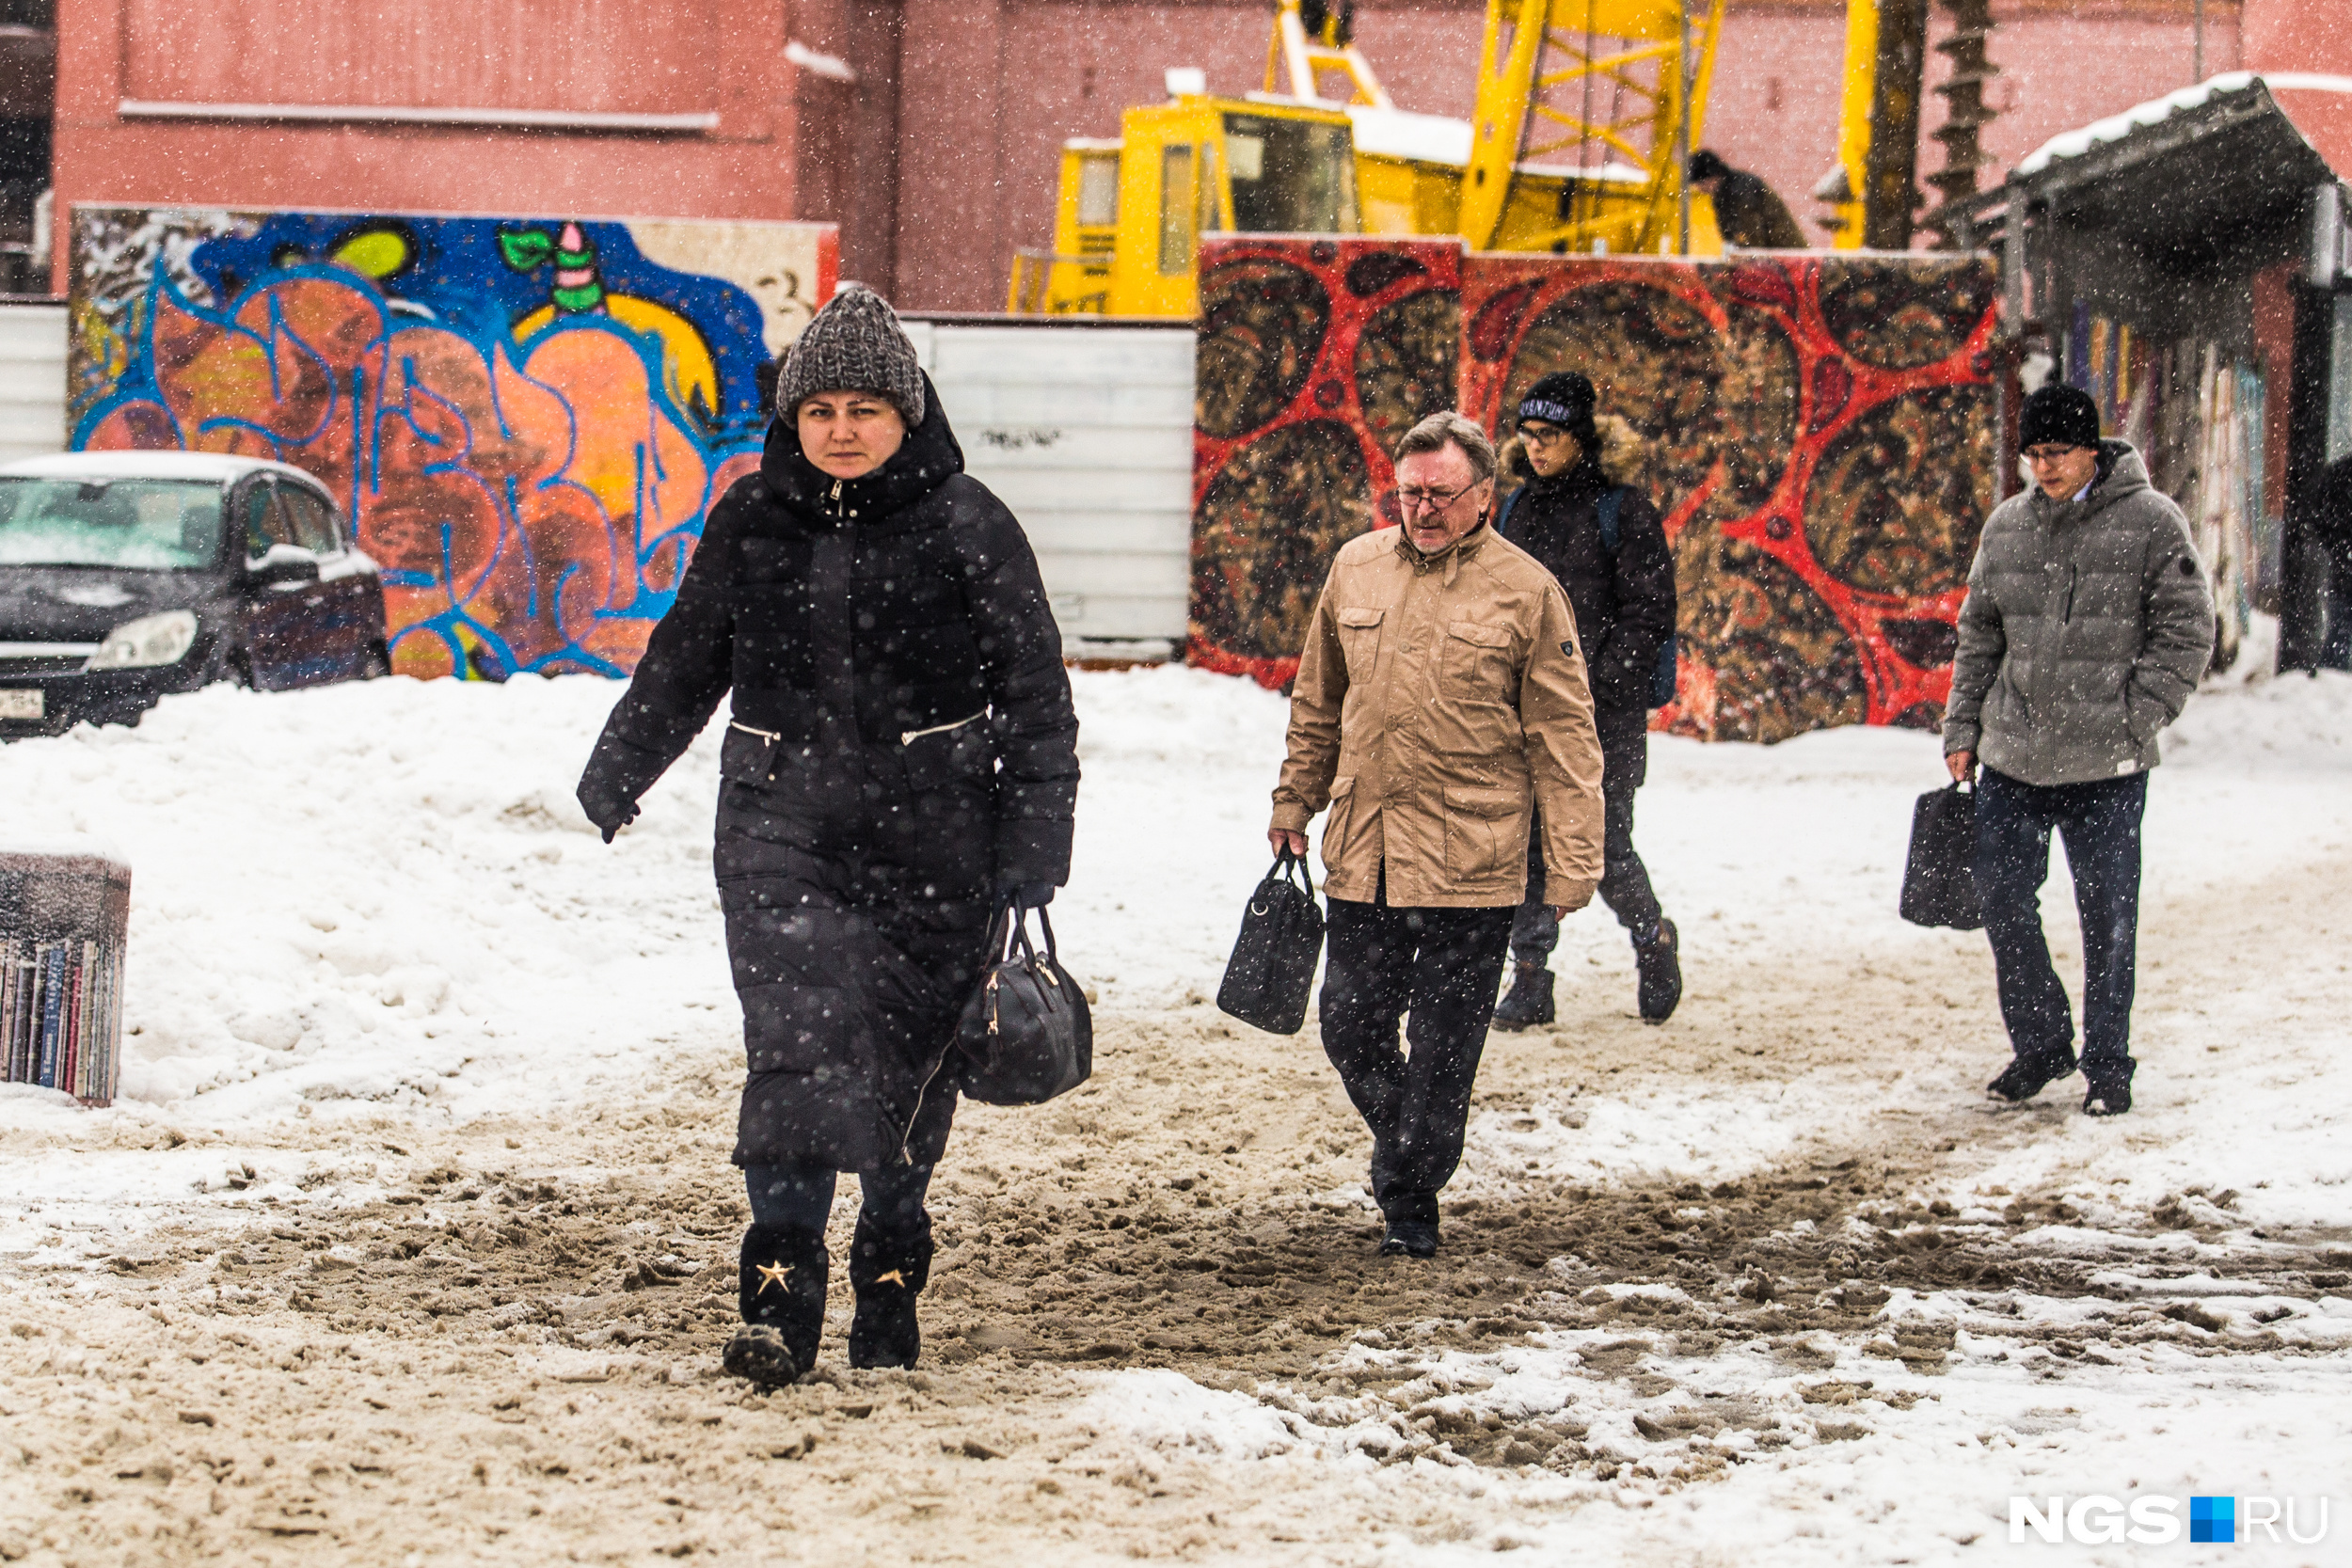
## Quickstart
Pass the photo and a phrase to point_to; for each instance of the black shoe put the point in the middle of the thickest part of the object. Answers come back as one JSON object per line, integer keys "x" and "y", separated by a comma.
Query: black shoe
{"x": 2028, "y": 1076}
{"x": 2109, "y": 1090}
{"x": 1662, "y": 972}
{"x": 1409, "y": 1239}
{"x": 781, "y": 1286}
{"x": 887, "y": 1271}
{"x": 1528, "y": 1001}
{"x": 759, "y": 1353}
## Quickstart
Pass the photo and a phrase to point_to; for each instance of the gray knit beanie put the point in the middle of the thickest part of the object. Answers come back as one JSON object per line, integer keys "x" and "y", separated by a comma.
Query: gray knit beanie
{"x": 854, "y": 344}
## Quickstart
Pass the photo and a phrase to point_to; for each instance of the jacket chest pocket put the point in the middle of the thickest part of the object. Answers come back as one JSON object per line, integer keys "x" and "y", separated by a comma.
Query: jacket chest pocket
{"x": 1360, "y": 638}
{"x": 1476, "y": 662}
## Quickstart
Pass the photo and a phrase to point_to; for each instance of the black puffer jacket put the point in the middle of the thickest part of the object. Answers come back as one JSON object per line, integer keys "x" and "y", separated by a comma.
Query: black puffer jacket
{"x": 1625, "y": 601}
{"x": 903, "y": 743}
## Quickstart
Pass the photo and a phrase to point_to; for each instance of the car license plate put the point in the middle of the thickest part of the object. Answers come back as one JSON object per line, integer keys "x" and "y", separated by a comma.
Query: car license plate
{"x": 20, "y": 702}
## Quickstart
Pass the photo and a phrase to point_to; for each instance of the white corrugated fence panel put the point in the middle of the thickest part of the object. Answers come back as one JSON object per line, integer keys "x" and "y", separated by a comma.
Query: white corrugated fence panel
{"x": 1085, "y": 433}
{"x": 32, "y": 380}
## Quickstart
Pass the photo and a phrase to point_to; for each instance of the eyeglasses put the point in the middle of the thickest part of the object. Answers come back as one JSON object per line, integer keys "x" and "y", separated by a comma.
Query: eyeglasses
{"x": 1435, "y": 500}
{"x": 2049, "y": 454}
{"x": 1542, "y": 434}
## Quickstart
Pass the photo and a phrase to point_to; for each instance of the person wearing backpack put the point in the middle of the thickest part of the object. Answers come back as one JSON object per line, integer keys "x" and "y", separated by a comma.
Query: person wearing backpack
{"x": 1599, "y": 535}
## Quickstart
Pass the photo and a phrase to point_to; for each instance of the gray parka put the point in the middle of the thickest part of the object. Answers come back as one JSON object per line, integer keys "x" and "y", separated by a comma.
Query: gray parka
{"x": 2088, "y": 624}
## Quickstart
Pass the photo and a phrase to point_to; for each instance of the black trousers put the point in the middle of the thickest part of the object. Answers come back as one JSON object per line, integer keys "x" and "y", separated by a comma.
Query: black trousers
{"x": 1624, "y": 885}
{"x": 1440, "y": 965}
{"x": 2100, "y": 822}
{"x": 800, "y": 1197}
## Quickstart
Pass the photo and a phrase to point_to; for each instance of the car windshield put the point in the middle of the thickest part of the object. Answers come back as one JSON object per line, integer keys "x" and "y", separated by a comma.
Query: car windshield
{"x": 151, "y": 524}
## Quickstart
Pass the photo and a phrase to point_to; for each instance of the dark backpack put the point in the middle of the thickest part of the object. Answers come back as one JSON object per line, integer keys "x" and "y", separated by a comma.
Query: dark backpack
{"x": 1661, "y": 681}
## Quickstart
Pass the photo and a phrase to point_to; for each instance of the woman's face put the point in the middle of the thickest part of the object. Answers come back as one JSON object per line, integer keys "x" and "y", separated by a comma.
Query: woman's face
{"x": 1549, "y": 449}
{"x": 850, "y": 434}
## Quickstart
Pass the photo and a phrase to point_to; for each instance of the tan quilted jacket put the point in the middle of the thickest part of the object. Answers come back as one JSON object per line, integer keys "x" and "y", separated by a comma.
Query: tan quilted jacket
{"x": 1439, "y": 698}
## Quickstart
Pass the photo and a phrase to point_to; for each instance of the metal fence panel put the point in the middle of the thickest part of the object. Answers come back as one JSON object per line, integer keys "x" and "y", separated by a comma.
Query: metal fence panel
{"x": 1085, "y": 433}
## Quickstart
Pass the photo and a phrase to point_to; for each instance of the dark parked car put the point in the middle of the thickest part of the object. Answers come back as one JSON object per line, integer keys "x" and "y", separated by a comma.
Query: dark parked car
{"x": 125, "y": 576}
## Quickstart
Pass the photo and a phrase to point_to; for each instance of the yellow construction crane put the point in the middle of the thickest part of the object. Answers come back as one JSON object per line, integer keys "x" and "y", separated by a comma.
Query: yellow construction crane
{"x": 1586, "y": 116}
{"x": 1586, "y": 112}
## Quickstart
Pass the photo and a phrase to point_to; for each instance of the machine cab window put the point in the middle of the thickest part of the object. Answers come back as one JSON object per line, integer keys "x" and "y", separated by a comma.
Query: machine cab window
{"x": 1291, "y": 175}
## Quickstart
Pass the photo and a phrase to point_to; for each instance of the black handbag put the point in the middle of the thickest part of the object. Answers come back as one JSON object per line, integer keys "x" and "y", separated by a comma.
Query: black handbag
{"x": 1026, "y": 1036}
{"x": 1273, "y": 966}
{"x": 1939, "y": 876}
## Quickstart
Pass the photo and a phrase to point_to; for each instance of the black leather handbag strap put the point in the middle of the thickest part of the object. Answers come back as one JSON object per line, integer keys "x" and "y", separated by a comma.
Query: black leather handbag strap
{"x": 1288, "y": 867}
{"x": 1016, "y": 935}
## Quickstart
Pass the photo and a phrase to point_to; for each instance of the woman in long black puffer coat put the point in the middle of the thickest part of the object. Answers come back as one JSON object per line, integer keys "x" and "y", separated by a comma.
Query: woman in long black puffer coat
{"x": 903, "y": 762}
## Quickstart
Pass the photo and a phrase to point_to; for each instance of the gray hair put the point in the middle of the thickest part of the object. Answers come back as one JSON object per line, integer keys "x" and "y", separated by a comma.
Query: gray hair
{"x": 1445, "y": 429}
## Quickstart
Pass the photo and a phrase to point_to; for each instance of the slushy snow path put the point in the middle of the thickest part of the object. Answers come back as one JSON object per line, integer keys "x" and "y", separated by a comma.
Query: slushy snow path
{"x": 368, "y": 921}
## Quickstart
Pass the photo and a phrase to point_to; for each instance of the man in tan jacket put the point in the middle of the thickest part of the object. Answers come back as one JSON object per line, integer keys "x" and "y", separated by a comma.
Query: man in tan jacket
{"x": 1442, "y": 694}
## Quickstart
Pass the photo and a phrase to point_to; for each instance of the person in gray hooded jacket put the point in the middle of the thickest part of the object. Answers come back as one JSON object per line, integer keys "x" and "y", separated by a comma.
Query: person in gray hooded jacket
{"x": 2087, "y": 625}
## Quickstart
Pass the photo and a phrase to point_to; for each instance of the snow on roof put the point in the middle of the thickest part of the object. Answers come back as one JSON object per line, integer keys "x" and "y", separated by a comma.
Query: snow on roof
{"x": 143, "y": 465}
{"x": 2073, "y": 144}
{"x": 1437, "y": 139}
{"x": 1400, "y": 133}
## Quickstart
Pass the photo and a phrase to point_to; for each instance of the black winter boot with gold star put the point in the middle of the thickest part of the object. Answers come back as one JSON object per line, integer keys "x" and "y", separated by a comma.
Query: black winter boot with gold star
{"x": 887, "y": 1269}
{"x": 781, "y": 1288}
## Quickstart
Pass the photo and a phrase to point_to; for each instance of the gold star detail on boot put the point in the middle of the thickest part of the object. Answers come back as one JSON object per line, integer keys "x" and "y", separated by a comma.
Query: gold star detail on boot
{"x": 773, "y": 1274}
{"x": 894, "y": 1276}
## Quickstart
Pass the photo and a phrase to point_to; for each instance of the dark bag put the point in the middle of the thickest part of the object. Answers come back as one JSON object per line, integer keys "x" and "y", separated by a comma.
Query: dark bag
{"x": 1273, "y": 967}
{"x": 1939, "y": 878}
{"x": 1026, "y": 1035}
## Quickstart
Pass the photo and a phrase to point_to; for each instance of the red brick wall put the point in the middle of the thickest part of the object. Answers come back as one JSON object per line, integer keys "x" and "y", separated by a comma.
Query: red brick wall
{"x": 582, "y": 58}
{"x": 2298, "y": 35}
{"x": 940, "y": 159}
{"x": 990, "y": 91}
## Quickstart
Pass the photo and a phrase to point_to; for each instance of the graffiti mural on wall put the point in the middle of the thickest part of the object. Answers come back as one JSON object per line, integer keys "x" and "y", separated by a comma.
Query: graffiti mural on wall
{"x": 1821, "y": 432}
{"x": 1314, "y": 357}
{"x": 526, "y": 419}
{"x": 1822, "y": 441}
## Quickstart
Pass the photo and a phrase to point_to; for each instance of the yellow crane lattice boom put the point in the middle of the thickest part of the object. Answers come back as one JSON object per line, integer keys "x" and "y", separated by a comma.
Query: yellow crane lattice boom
{"x": 1639, "y": 71}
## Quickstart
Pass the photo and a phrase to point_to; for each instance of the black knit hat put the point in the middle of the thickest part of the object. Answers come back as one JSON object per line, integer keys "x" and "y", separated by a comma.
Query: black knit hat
{"x": 854, "y": 344}
{"x": 2058, "y": 415}
{"x": 1706, "y": 165}
{"x": 1563, "y": 397}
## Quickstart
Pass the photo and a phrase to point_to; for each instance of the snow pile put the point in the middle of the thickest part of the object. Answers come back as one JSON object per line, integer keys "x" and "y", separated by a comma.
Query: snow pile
{"x": 374, "y": 905}
{"x": 1858, "y": 1459}
{"x": 1166, "y": 1409}
{"x": 382, "y": 899}
{"x": 385, "y": 892}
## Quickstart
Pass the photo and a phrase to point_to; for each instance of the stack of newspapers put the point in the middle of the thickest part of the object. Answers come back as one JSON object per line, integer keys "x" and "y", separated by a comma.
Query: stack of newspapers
{"x": 61, "y": 1016}
{"x": 64, "y": 917}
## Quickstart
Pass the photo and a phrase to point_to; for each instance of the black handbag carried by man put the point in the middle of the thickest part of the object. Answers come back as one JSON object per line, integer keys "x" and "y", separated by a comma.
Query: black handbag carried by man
{"x": 1939, "y": 877}
{"x": 1026, "y": 1035}
{"x": 1273, "y": 966}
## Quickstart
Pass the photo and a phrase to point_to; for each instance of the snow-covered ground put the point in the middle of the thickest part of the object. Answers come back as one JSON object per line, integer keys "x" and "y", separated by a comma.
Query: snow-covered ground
{"x": 376, "y": 907}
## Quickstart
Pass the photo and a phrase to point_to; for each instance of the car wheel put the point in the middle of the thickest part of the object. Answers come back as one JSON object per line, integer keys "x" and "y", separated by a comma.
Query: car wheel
{"x": 237, "y": 669}
{"x": 378, "y": 664}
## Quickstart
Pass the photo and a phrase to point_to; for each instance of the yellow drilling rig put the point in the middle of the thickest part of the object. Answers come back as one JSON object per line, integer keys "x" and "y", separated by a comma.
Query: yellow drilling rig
{"x": 1585, "y": 115}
